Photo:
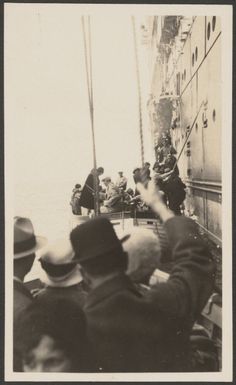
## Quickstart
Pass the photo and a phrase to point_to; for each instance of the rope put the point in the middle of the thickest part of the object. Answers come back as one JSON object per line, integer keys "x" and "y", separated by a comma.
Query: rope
{"x": 139, "y": 92}
{"x": 88, "y": 65}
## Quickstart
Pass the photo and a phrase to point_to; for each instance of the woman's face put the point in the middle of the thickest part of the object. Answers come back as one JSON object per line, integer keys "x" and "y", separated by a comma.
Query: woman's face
{"x": 46, "y": 357}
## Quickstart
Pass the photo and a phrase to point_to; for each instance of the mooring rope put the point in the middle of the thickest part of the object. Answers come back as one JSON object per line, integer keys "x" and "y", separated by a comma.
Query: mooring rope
{"x": 88, "y": 65}
{"x": 139, "y": 92}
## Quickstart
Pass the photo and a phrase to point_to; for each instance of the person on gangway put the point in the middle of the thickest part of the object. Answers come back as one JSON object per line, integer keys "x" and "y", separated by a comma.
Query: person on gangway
{"x": 121, "y": 182}
{"x": 87, "y": 195}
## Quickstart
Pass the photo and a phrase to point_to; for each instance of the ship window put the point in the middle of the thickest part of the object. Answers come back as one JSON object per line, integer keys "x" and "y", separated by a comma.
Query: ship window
{"x": 208, "y": 31}
{"x": 213, "y": 23}
{"x": 214, "y": 115}
{"x": 196, "y": 53}
{"x": 193, "y": 59}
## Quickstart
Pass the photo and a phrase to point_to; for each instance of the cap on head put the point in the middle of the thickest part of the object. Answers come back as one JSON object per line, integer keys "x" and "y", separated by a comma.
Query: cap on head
{"x": 59, "y": 267}
{"x": 106, "y": 179}
{"x": 25, "y": 241}
{"x": 94, "y": 238}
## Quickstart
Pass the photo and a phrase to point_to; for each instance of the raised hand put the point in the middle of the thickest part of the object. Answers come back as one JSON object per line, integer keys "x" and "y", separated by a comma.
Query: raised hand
{"x": 152, "y": 196}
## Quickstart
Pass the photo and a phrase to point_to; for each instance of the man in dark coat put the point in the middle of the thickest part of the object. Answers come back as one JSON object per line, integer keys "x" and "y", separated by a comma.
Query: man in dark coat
{"x": 87, "y": 194}
{"x": 173, "y": 185}
{"x": 132, "y": 332}
{"x": 25, "y": 246}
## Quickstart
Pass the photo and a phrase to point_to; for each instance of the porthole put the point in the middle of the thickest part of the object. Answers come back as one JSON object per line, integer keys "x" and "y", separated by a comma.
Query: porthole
{"x": 193, "y": 59}
{"x": 208, "y": 31}
{"x": 196, "y": 53}
{"x": 214, "y": 115}
{"x": 213, "y": 23}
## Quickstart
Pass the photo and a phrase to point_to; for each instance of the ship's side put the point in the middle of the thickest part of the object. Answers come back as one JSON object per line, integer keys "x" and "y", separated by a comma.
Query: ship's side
{"x": 185, "y": 62}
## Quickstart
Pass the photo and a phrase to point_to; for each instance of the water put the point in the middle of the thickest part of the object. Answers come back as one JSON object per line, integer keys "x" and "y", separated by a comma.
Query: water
{"x": 48, "y": 207}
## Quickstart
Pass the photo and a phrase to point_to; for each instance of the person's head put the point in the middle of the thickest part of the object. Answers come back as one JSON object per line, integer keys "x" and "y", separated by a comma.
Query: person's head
{"x": 25, "y": 246}
{"x": 159, "y": 169}
{"x": 52, "y": 337}
{"x": 98, "y": 250}
{"x": 130, "y": 191}
{"x": 100, "y": 171}
{"x": 120, "y": 173}
{"x": 144, "y": 254}
{"x": 136, "y": 171}
{"x": 167, "y": 140}
{"x": 170, "y": 161}
{"x": 147, "y": 165}
{"x": 106, "y": 181}
{"x": 58, "y": 267}
{"x": 78, "y": 186}
{"x": 23, "y": 266}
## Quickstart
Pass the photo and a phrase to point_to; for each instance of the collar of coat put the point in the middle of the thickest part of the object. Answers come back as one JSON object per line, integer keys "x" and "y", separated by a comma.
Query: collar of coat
{"x": 112, "y": 286}
{"x": 20, "y": 287}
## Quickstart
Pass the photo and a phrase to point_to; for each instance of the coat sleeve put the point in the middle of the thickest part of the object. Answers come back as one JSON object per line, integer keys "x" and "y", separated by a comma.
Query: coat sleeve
{"x": 191, "y": 280}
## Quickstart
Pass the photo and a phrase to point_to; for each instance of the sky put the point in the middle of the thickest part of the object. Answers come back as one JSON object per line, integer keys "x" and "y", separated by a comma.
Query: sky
{"x": 46, "y": 101}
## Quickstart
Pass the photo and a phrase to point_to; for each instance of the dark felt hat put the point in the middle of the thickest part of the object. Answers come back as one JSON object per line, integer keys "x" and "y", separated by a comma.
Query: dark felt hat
{"x": 94, "y": 238}
{"x": 25, "y": 241}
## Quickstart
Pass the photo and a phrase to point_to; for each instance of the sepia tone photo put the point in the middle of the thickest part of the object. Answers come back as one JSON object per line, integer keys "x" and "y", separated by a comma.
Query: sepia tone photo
{"x": 118, "y": 192}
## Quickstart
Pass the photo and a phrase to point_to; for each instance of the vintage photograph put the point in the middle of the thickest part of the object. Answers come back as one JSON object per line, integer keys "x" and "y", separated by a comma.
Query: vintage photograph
{"x": 118, "y": 192}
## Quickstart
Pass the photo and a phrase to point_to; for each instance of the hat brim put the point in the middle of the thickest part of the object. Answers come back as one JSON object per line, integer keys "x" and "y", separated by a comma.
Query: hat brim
{"x": 40, "y": 243}
{"x": 72, "y": 278}
{"x": 125, "y": 238}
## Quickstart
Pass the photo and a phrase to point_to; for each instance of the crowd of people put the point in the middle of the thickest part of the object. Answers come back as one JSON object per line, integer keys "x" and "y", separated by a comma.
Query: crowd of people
{"x": 94, "y": 308}
{"x": 115, "y": 197}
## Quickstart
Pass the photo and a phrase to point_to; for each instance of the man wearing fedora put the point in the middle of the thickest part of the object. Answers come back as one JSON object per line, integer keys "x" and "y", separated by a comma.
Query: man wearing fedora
{"x": 25, "y": 246}
{"x": 132, "y": 332}
{"x": 60, "y": 273}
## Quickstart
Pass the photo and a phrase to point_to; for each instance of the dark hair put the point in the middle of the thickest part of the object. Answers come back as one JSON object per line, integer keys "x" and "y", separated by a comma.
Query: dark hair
{"x": 100, "y": 170}
{"x": 77, "y": 185}
{"x": 61, "y": 319}
{"x": 24, "y": 263}
{"x": 147, "y": 164}
{"x": 105, "y": 264}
